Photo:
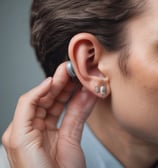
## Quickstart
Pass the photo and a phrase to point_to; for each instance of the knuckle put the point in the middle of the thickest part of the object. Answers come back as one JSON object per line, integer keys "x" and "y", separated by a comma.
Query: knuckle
{"x": 22, "y": 98}
{"x": 10, "y": 144}
{"x": 5, "y": 139}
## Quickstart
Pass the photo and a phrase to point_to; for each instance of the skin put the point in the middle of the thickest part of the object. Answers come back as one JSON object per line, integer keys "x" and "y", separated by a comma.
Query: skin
{"x": 33, "y": 139}
{"x": 124, "y": 119}
{"x": 131, "y": 114}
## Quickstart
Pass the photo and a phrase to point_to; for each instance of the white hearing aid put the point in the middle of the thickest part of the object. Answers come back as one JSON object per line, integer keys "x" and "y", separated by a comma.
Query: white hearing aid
{"x": 70, "y": 69}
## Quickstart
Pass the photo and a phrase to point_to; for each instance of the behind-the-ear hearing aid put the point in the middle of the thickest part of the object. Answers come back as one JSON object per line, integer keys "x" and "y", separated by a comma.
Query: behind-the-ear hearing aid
{"x": 70, "y": 69}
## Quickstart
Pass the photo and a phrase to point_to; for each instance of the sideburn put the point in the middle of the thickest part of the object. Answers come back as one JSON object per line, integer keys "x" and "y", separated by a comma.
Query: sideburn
{"x": 123, "y": 61}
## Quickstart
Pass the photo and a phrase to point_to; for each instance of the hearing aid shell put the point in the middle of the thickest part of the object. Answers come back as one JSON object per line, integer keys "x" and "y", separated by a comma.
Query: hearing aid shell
{"x": 70, "y": 69}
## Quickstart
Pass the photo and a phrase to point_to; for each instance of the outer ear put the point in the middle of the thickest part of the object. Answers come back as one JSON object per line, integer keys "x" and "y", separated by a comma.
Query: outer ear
{"x": 85, "y": 53}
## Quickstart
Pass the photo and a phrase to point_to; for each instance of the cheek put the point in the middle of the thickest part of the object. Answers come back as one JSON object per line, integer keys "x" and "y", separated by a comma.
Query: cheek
{"x": 135, "y": 100}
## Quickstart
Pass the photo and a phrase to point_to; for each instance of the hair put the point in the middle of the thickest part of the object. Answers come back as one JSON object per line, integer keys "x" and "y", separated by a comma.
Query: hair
{"x": 54, "y": 22}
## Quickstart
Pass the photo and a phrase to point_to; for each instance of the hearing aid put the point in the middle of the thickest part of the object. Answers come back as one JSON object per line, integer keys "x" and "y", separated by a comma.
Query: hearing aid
{"x": 70, "y": 69}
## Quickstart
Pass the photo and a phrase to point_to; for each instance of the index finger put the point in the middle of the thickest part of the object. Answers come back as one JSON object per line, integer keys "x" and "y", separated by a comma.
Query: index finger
{"x": 26, "y": 108}
{"x": 61, "y": 88}
{"x": 27, "y": 104}
{"x": 61, "y": 80}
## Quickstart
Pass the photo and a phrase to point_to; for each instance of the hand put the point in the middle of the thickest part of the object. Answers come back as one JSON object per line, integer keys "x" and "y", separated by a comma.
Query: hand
{"x": 33, "y": 139}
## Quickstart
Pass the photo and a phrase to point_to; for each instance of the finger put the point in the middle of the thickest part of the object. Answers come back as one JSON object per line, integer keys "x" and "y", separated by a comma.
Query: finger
{"x": 64, "y": 94}
{"x": 6, "y": 137}
{"x": 58, "y": 107}
{"x": 28, "y": 103}
{"x": 59, "y": 95}
{"x": 78, "y": 111}
{"x": 41, "y": 113}
{"x": 61, "y": 80}
{"x": 7, "y": 143}
{"x": 51, "y": 122}
{"x": 61, "y": 84}
{"x": 39, "y": 124}
{"x": 61, "y": 101}
{"x": 61, "y": 91}
{"x": 39, "y": 121}
{"x": 52, "y": 119}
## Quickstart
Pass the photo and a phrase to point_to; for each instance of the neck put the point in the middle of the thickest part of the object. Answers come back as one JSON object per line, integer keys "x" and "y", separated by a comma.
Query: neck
{"x": 128, "y": 149}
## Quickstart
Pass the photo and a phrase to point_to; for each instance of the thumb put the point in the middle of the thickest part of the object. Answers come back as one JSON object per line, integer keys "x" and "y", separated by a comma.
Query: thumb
{"x": 78, "y": 111}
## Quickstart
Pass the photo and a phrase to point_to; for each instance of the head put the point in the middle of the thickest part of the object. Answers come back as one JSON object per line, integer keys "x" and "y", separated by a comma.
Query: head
{"x": 106, "y": 43}
{"x": 54, "y": 23}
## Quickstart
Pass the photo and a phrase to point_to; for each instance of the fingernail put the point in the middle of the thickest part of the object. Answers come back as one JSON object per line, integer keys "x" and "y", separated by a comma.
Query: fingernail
{"x": 46, "y": 81}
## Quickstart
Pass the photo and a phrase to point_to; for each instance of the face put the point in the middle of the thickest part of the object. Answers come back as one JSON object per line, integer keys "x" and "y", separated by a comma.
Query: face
{"x": 135, "y": 98}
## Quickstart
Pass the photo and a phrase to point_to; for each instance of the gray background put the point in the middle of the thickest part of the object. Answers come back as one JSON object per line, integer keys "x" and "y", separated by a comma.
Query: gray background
{"x": 19, "y": 70}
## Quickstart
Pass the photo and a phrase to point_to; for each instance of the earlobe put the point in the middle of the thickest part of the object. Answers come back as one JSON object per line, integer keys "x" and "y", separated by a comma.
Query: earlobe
{"x": 85, "y": 53}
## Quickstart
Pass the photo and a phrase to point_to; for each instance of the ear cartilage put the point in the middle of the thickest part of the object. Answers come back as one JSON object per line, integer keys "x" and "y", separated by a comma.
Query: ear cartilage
{"x": 70, "y": 69}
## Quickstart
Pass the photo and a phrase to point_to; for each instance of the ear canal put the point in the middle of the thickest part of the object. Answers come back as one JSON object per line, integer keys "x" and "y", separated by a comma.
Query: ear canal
{"x": 91, "y": 54}
{"x": 91, "y": 51}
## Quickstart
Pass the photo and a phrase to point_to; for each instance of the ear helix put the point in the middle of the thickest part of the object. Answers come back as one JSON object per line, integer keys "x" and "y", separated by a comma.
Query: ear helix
{"x": 70, "y": 69}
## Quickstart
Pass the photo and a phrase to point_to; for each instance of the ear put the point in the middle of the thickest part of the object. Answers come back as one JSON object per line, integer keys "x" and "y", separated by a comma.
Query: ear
{"x": 86, "y": 54}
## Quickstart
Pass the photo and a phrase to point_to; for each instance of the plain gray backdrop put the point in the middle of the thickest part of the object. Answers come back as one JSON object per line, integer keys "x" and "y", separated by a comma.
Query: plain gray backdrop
{"x": 19, "y": 69}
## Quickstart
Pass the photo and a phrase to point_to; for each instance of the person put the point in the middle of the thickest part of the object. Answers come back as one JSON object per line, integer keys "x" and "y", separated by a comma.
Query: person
{"x": 105, "y": 116}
